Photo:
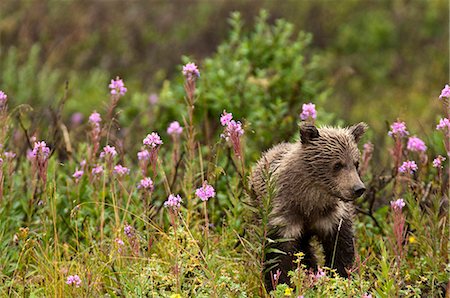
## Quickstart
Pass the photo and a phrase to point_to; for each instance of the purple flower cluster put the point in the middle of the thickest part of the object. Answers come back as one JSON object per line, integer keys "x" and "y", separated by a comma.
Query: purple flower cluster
{"x": 398, "y": 205}
{"x": 173, "y": 201}
{"x": 205, "y": 192}
{"x": 3, "y": 98}
{"x": 232, "y": 132}
{"x": 152, "y": 140}
{"x": 416, "y": 144}
{"x": 443, "y": 124}
{"x": 225, "y": 118}
{"x": 143, "y": 155}
{"x": 108, "y": 152}
{"x": 190, "y": 71}
{"x": 95, "y": 118}
{"x": 121, "y": 170}
{"x": 10, "y": 155}
{"x": 398, "y": 129}
{"x": 174, "y": 129}
{"x": 409, "y": 167}
{"x": 437, "y": 162}
{"x": 308, "y": 112}
{"x": 445, "y": 93}
{"x": 74, "y": 280}
{"x": 146, "y": 183}
{"x": 40, "y": 151}
{"x": 128, "y": 230}
{"x": 97, "y": 170}
{"x": 117, "y": 87}
{"x": 77, "y": 175}
{"x": 153, "y": 98}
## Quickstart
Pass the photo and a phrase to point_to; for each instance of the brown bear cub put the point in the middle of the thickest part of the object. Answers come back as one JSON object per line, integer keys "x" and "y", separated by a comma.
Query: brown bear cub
{"x": 316, "y": 180}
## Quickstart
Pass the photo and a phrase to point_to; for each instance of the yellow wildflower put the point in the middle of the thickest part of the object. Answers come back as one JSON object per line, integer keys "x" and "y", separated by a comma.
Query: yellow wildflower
{"x": 175, "y": 296}
{"x": 288, "y": 292}
{"x": 412, "y": 239}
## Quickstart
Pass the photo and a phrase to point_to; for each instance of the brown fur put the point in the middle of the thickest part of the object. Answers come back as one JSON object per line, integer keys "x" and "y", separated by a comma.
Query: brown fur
{"x": 316, "y": 179}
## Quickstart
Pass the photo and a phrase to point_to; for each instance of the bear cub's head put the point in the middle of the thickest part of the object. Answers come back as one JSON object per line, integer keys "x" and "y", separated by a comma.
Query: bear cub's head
{"x": 331, "y": 157}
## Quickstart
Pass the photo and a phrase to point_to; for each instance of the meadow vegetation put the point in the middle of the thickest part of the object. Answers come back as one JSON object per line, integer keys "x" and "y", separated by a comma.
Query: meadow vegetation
{"x": 141, "y": 194}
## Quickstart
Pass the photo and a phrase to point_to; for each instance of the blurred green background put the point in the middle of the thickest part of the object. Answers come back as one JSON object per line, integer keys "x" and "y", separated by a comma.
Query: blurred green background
{"x": 369, "y": 61}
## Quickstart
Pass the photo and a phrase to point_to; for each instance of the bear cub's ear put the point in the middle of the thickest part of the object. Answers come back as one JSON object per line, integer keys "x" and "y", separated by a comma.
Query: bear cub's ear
{"x": 358, "y": 130}
{"x": 308, "y": 132}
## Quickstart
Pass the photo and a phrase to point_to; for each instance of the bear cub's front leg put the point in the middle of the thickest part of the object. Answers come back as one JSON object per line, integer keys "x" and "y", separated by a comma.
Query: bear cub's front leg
{"x": 339, "y": 248}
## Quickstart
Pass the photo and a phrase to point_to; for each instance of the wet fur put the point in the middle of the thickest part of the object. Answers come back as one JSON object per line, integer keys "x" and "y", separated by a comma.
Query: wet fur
{"x": 310, "y": 199}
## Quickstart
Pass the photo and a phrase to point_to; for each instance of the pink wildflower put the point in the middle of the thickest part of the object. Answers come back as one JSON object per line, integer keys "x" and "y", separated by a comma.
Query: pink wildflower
{"x": 174, "y": 129}
{"x": 121, "y": 170}
{"x": 445, "y": 93}
{"x": 153, "y": 98}
{"x": 95, "y": 118}
{"x": 308, "y": 111}
{"x": 173, "y": 201}
{"x": 40, "y": 151}
{"x": 232, "y": 133}
{"x": 146, "y": 183}
{"x": 398, "y": 205}
{"x": 129, "y": 231}
{"x": 108, "y": 152}
{"x": 408, "y": 167}
{"x": 77, "y": 175}
{"x": 437, "y": 162}
{"x": 117, "y": 87}
{"x": 74, "y": 280}
{"x": 416, "y": 144}
{"x": 398, "y": 129}
{"x": 190, "y": 71}
{"x": 443, "y": 124}
{"x": 3, "y": 98}
{"x": 366, "y": 295}
{"x": 10, "y": 155}
{"x": 76, "y": 118}
{"x": 152, "y": 140}
{"x": 225, "y": 118}
{"x": 143, "y": 155}
{"x": 97, "y": 170}
{"x": 205, "y": 192}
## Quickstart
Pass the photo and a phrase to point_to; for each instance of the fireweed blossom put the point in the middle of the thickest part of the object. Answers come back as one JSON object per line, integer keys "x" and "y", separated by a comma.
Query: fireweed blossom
{"x": 308, "y": 112}
{"x": 445, "y": 93}
{"x": 108, "y": 153}
{"x": 10, "y": 155}
{"x": 146, "y": 184}
{"x": 3, "y": 97}
{"x": 409, "y": 167}
{"x": 205, "y": 192}
{"x": 443, "y": 124}
{"x": 117, "y": 87}
{"x": 95, "y": 133}
{"x": 121, "y": 171}
{"x": 232, "y": 132}
{"x": 97, "y": 170}
{"x": 190, "y": 71}
{"x": 77, "y": 175}
{"x": 152, "y": 142}
{"x": 174, "y": 129}
{"x": 153, "y": 98}
{"x": 74, "y": 280}
{"x": 398, "y": 205}
{"x": 437, "y": 162}
{"x": 416, "y": 144}
{"x": 39, "y": 158}
{"x": 225, "y": 118}
{"x": 129, "y": 231}
{"x": 173, "y": 202}
{"x": 398, "y": 129}
{"x": 366, "y": 295}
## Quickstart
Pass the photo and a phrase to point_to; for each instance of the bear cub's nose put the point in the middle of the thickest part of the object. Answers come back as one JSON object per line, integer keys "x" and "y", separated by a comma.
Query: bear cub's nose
{"x": 358, "y": 191}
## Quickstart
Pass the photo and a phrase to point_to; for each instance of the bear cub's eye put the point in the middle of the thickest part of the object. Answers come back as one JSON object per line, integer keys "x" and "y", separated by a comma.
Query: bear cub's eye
{"x": 338, "y": 166}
